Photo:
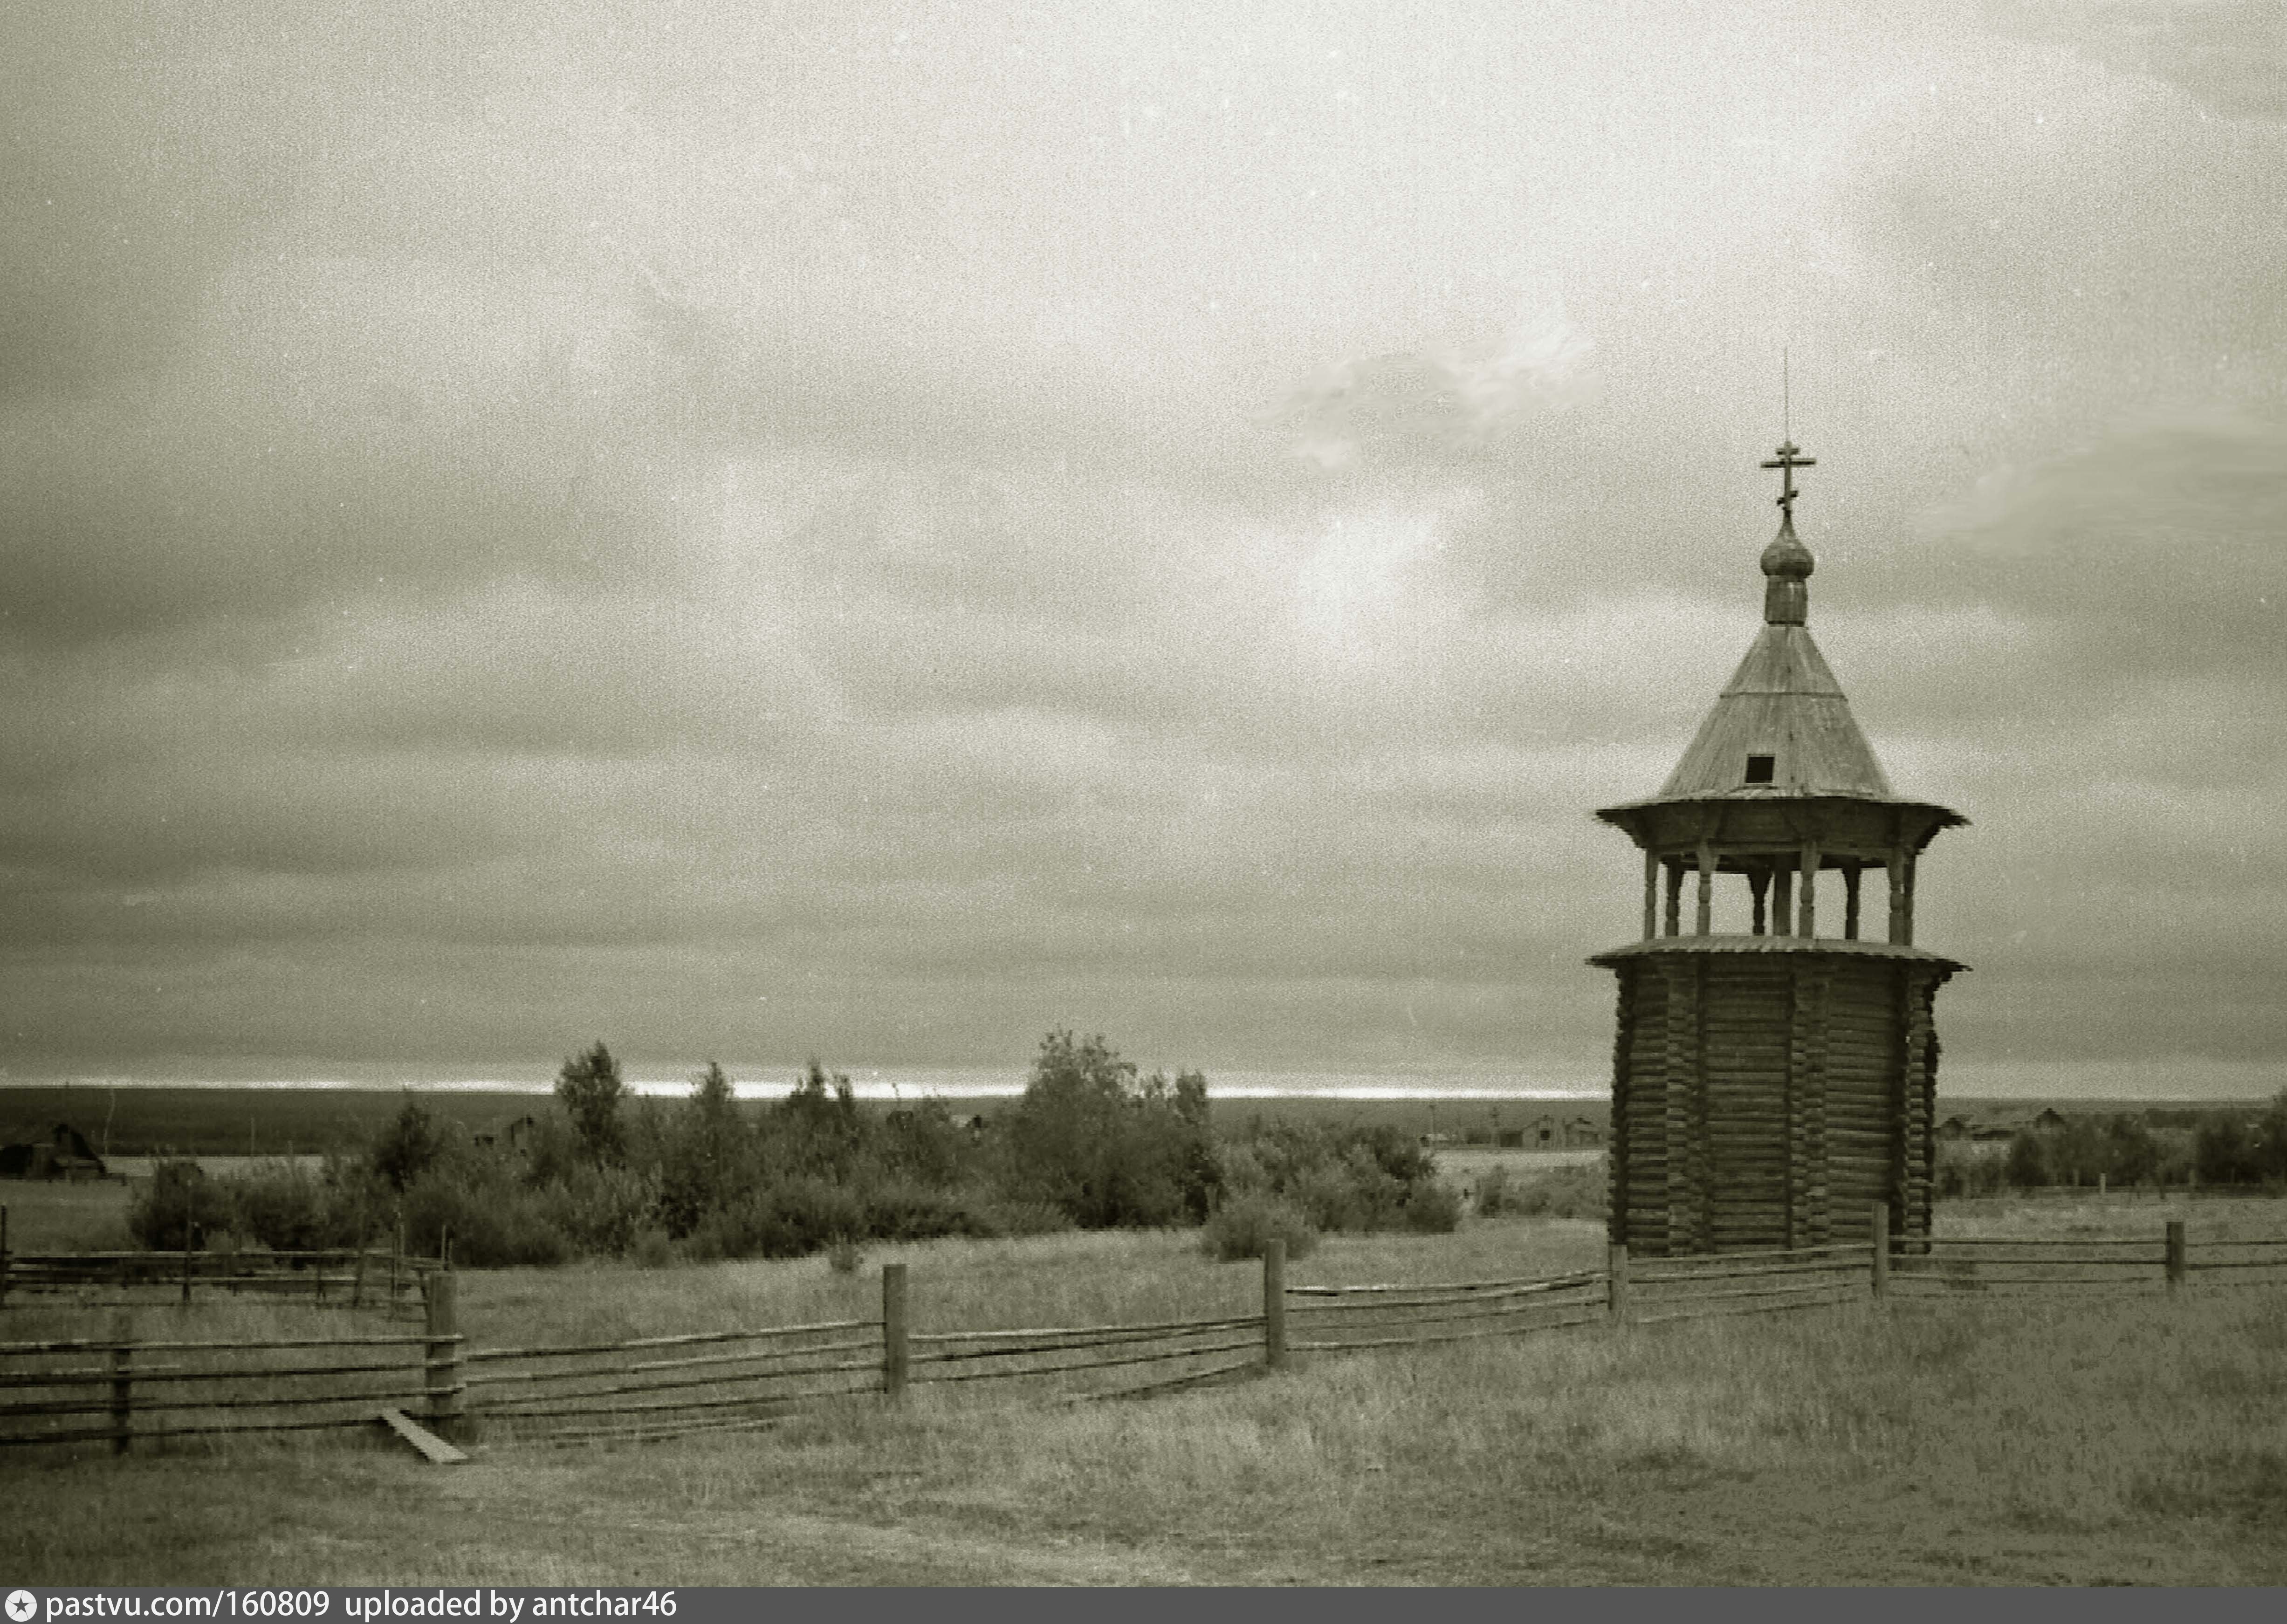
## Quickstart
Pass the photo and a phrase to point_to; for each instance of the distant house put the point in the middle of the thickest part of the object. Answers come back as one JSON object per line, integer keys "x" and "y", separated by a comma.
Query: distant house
{"x": 1509, "y": 1138}
{"x": 1543, "y": 1134}
{"x": 2051, "y": 1120}
{"x": 64, "y": 1154}
{"x": 1955, "y": 1129}
{"x": 1583, "y": 1130}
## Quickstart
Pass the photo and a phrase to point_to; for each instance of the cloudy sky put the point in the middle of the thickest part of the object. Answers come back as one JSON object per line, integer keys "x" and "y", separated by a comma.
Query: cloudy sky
{"x": 875, "y": 530}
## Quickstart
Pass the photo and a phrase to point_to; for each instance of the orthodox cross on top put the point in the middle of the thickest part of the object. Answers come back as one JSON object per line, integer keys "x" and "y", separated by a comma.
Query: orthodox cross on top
{"x": 1786, "y": 460}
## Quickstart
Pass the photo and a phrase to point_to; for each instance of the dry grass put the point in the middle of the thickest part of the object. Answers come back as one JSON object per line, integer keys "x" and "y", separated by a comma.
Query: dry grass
{"x": 2024, "y": 1440}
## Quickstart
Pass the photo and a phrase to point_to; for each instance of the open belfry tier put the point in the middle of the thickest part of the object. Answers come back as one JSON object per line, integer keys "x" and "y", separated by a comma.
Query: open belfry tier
{"x": 1769, "y": 1087}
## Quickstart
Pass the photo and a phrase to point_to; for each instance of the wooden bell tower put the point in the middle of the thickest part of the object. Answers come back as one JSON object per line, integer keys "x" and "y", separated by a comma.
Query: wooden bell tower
{"x": 1770, "y": 1085}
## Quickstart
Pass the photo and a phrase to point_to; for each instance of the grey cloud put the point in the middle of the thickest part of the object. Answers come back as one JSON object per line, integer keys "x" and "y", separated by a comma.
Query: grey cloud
{"x": 2231, "y": 54}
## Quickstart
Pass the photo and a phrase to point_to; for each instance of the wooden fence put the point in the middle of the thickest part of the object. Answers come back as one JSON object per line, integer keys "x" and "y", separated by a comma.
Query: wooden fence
{"x": 120, "y": 1388}
{"x": 2081, "y": 1264}
{"x": 343, "y": 1278}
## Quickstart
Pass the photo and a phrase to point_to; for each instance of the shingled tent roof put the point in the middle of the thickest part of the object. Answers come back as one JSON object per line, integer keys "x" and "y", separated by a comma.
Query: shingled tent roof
{"x": 1784, "y": 702}
{"x": 1782, "y": 710}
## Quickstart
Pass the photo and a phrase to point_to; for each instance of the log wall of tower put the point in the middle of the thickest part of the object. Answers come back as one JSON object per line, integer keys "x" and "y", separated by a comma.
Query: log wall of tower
{"x": 1765, "y": 1100}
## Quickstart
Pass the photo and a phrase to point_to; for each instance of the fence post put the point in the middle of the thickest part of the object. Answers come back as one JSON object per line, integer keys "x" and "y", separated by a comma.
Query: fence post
{"x": 1616, "y": 1283}
{"x": 2175, "y": 1253}
{"x": 122, "y": 1380}
{"x": 895, "y": 1353}
{"x": 396, "y": 1264}
{"x": 1274, "y": 1303}
{"x": 3, "y": 1256}
{"x": 1880, "y": 1214}
{"x": 441, "y": 1365}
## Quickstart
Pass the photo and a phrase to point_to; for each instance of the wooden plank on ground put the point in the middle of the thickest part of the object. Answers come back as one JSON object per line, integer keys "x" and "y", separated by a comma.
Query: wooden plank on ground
{"x": 422, "y": 1438}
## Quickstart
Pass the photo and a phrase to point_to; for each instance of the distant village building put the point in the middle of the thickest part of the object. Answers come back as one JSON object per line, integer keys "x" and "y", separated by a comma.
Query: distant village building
{"x": 1770, "y": 1086}
{"x": 64, "y": 1153}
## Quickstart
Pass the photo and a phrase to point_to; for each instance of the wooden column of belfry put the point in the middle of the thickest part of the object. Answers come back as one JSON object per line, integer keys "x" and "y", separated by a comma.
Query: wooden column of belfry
{"x": 1772, "y": 1083}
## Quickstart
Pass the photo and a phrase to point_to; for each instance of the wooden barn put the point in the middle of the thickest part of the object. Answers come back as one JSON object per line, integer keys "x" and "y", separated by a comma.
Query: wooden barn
{"x": 63, "y": 1153}
{"x": 1771, "y": 1083}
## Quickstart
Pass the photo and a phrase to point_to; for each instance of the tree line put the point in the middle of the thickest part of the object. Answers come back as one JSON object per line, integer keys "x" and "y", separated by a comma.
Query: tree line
{"x": 1091, "y": 1143}
{"x": 2125, "y": 1150}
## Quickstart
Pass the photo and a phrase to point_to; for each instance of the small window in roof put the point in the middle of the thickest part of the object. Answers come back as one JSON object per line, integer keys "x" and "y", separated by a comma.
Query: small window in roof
{"x": 1759, "y": 768}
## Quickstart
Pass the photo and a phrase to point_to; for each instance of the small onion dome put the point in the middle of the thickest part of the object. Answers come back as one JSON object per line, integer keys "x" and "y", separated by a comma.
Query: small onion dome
{"x": 1788, "y": 564}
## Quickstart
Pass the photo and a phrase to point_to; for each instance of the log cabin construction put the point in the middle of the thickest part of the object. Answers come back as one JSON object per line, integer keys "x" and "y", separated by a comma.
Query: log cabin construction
{"x": 1770, "y": 1086}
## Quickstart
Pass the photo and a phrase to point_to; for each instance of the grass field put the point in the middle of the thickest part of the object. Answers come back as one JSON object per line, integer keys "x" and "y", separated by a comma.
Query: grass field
{"x": 2138, "y": 1441}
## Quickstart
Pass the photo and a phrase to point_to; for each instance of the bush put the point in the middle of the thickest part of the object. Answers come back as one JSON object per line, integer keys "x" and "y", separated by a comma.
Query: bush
{"x": 281, "y": 1205}
{"x": 1565, "y": 1193}
{"x": 598, "y": 1210}
{"x": 493, "y": 1222}
{"x": 2028, "y": 1165}
{"x": 178, "y": 1209}
{"x": 1433, "y": 1209}
{"x": 905, "y": 1209}
{"x": 1238, "y": 1227}
{"x": 1961, "y": 1171}
{"x": 789, "y": 1219}
{"x": 993, "y": 1216}
{"x": 1495, "y": 1193}
{"x": 1354, "y": 1179}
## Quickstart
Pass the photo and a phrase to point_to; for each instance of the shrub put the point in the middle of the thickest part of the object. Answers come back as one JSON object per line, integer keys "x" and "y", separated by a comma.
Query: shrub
{"x": 281, "y": 1205}
{"x": 493, "y": 1222}
{"x": 598, "y": 1210}
{"x": 180, "y": 1207}
{"x": 994, "y": 1217}
{"x": 1238, "y": 1227}
{"x": 2029, "y": 1165}
{"x": 905, "y": 1209}
{"x": 1961, "y": 1171}
{"x": 789, "y": 1219}
{"x": 1433, "y": 1209}
{"x": 1494, "y": 1195}
{"x": 1565, "y": 1193}
{"x": 1355, "y": 1178}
